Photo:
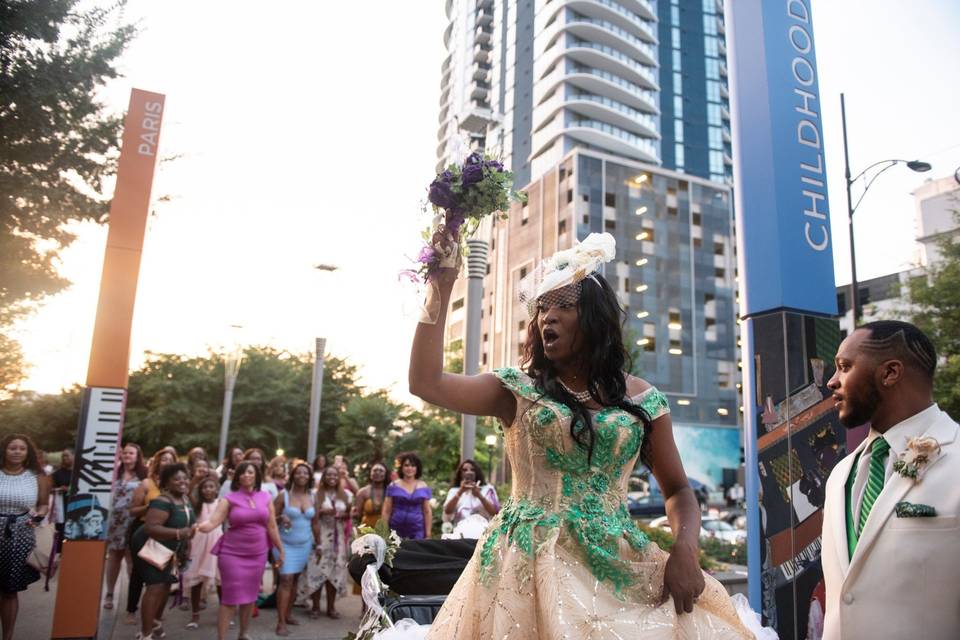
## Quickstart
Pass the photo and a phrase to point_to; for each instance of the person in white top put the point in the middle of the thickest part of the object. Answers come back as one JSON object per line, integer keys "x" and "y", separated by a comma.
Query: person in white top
{"x": 891, "y": 543}
{"x": 469, "y": 495}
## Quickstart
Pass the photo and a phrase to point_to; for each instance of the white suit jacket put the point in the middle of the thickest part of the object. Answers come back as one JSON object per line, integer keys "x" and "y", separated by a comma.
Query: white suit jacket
{"x": 903, "y": 581}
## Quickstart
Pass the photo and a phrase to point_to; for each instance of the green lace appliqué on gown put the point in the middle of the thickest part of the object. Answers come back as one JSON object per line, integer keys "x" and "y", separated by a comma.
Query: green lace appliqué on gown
{"x": 594, "y": 517}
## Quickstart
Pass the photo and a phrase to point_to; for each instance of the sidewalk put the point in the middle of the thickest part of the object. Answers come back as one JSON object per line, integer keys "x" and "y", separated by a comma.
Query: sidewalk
{"x": 36, "y": 619}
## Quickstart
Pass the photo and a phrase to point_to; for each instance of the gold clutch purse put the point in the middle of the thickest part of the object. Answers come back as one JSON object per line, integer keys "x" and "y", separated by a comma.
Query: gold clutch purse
{"x": 155, "y": 554}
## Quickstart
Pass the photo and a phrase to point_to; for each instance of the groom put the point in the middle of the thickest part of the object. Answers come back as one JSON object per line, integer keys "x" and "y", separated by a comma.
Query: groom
{"x": 891, "y": 546}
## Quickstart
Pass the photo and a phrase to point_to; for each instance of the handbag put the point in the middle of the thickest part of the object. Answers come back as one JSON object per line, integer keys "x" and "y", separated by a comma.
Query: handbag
{"x": 155, "y": 554}
{"x": 39, "y": 557}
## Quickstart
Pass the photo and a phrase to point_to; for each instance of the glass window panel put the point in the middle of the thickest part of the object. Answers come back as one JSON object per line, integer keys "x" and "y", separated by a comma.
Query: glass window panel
{"x": 678, "y": 130}
{"x": 676, "y": 60}
{"x": 710, "y": 46}
{"x": 677, "y": 83}
{"x": 675, "y": 37}
{"x": 678, "y": 106}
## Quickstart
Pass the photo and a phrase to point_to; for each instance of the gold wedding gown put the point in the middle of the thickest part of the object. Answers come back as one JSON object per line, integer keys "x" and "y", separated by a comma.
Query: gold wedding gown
{"x": 563, "y": 559}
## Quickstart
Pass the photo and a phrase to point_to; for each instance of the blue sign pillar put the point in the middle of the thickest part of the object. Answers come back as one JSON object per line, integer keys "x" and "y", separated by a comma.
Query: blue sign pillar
{"x": 787, "y": 302}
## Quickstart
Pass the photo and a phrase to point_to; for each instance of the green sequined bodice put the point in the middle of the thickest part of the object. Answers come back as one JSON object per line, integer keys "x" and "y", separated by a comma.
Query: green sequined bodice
{"x": 558, "y": 493}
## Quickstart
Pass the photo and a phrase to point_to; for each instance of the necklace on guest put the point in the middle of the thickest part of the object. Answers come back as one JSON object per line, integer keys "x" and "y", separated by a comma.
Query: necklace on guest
{"x": 579, "y": 396}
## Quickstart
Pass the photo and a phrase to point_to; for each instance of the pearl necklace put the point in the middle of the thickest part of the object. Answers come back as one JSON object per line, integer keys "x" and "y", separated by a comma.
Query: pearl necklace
{"x": 579, "y": 396}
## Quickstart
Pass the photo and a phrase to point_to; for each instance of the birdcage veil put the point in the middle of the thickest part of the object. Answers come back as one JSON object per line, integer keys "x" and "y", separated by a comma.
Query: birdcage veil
{"x": 558, "y": 279}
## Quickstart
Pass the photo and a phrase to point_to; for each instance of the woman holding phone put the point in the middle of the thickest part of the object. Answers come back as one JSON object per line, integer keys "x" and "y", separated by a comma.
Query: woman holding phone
{"x": 470, "y": 494}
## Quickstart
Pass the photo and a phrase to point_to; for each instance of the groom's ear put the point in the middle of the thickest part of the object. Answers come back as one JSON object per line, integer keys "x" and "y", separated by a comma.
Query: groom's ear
{"x": 889, "y": 373}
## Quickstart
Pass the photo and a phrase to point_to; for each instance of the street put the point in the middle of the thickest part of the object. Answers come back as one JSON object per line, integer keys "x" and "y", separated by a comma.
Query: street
{"x": 36, "y": 618}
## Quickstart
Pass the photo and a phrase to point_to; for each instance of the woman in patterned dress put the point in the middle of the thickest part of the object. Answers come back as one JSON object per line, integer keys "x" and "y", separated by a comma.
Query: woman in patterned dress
{"x": 131, "y": 471}
{"x": 331, "y": 533}
{"x": 24, "y": 491}
{"x": 563, "y": 558}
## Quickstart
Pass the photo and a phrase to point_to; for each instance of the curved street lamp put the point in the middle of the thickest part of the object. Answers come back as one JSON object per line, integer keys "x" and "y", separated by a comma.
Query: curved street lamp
{"x": 914, "y": 165}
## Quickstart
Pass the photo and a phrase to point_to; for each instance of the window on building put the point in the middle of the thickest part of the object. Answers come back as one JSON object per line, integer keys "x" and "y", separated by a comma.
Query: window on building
{"x": 585, "y": 197}
{"x": 678, "y": 130}
{"x": 484, "y": 337}
{"x": 610, "y": 199}
{"x": 671, "y": 211}
{"x": 673, "y": 316}
{"x": 650, "y": 343}
{"x": 718, "y": 249}
{"x": 697, "y": 243}
{"x": 675, "y": 14}
{"x": 488, "y": 268}
{"x": 678, "y": 106}
{"x": 678, "y": 153}
{"x": 522, "y": 325}
{"x": 675, "y": 37}
{"x": 709, "y": 322}
{"x": 719, "y": 272}
{"x": 708, "y": 297}
{"x": 626, "y": 285}
{"x": 523, "y": 272}
{"x": 562, "y": 227}
{"x": 484, "y": 360}
{"x": 609, "y": 225}
{"x": 676, "y": 60}
{"x": 524, "y": 215}
{"x": 569, "y": 195}
{"x": 649, "y": 232}
{"x": 697, "y": 219}
{"x": 677, "y": 82}
{"x": 457, "y": 304}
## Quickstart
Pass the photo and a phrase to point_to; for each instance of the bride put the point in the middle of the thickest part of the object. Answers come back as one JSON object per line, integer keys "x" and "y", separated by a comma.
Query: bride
{"x": 563, "y": 558}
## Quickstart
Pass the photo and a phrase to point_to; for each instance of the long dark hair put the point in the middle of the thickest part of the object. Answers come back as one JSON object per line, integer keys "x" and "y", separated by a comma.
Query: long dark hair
{"x": 600, "y": 319}
{"x": 239, "y": 471}
{"x": 458, "y": 476}
{"x": 31, "y": 462}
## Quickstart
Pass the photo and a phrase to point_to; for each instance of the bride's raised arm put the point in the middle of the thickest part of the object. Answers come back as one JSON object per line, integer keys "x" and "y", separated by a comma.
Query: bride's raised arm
{"x": 479, "y": 395}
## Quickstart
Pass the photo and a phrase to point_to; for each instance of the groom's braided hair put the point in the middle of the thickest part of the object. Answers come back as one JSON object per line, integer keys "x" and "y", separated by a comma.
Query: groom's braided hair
{"x": 901, "y": 341}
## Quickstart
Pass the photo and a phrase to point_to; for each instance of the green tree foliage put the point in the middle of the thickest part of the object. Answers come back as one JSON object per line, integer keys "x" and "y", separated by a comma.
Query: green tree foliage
{"x": 936, "y": 298}
{"x": 57, "y": 143}
{"x": 178, "y": 400}
{"x": 368, "y": 429}
{"x": 50, "y": 420}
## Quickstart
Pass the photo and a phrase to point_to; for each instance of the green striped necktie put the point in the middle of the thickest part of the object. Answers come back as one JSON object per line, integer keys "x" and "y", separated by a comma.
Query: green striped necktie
{"x": 878, "y": 456}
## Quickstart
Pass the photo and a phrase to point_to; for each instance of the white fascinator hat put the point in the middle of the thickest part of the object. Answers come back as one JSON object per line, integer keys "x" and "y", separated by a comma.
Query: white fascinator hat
{"x": 567, "y": 268}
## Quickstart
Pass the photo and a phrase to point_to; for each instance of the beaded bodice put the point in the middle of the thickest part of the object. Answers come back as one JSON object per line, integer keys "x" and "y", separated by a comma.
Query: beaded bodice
{"x": 559, "y": 490}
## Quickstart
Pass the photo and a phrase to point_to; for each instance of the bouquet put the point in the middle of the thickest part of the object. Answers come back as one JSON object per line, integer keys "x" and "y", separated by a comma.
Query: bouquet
{"x": 461, "y": 197}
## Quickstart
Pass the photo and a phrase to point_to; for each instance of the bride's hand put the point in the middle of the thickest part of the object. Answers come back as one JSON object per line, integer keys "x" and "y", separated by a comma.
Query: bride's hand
{"x": 682, "y": 577}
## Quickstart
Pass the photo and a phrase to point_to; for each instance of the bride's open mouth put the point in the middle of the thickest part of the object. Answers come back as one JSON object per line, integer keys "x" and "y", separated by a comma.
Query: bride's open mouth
{"x": 550, "y": 338}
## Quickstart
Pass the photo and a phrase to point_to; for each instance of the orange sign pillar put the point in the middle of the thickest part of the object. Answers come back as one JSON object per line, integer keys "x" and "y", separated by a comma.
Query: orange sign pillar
{"x": 101, "y": 420}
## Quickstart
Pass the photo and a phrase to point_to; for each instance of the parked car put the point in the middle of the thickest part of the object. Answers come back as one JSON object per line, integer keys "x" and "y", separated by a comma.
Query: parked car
{"x": 646, "y": 506}
{"x": 710, "y": 527}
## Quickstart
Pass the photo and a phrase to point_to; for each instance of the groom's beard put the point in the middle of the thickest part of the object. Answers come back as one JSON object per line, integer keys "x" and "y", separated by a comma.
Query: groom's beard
{"x": 861, "y": 407}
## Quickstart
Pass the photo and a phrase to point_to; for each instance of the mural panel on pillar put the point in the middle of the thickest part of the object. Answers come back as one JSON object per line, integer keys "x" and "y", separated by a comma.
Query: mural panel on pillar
{"x": 787, "y": 302}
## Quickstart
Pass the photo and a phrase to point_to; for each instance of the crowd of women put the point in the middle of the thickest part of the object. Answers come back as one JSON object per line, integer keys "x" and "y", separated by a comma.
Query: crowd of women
{"x": 187, "y": 527}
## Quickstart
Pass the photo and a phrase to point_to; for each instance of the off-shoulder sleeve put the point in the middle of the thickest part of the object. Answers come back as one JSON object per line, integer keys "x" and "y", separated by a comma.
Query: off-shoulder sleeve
{"x": 653, "y": 401}
{"x": 519, "y": 383}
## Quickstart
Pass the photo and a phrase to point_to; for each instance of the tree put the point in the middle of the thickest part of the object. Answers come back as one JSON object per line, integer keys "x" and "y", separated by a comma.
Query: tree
{"x": 368, "y": 428}
{"x": 178, "y": 400}
{"x": 936, "y": 297}
{"x": 57, "y": 142}
{"x": 49, "y": 419}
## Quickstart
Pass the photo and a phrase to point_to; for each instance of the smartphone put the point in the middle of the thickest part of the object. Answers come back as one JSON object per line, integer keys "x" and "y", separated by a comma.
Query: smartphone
{"x": 469, "y": 477}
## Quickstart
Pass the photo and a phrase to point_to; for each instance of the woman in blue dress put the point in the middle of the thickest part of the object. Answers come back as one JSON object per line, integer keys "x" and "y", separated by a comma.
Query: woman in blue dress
{"x": 296, "y": 508}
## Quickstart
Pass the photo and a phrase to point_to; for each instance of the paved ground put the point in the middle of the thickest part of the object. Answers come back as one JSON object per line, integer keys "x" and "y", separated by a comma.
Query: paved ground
{"x": 36, "y": 617}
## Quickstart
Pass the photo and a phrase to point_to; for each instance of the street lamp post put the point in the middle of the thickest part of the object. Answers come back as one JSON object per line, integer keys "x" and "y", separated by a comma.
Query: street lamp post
{"x": 231, "y": 367}
{"x": 491, "y": 441}
{"x": 914, "y": 165}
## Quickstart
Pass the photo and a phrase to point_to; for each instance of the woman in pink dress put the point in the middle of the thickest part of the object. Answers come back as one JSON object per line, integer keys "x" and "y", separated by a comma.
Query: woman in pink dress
{"x": 242, "y": 551}
{"x": 203, "y": 564}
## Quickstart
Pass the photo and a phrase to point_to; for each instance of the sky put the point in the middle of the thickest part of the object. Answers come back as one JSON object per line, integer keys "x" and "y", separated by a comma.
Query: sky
{"x": 307, "y": 134}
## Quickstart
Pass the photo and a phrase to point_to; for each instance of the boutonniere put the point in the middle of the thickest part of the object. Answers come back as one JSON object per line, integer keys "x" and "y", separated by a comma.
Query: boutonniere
{"x": 913, "y": 462}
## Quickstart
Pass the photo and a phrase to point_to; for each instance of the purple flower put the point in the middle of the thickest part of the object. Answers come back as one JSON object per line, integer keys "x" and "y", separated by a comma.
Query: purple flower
{"x": 472, "y": 159}
{"x": 426, "y": 255}
{"x": 496, "y": 165}
{"x": 455, "y": 220}
{"x": 441, "y": 191}
{"x": 472, "y": 174}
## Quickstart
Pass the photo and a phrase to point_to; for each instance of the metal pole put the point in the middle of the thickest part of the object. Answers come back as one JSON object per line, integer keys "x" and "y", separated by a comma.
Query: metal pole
{"x": 490, "y": 454}
{"x": 476, "y": 270}
{"x": 854, "y": 288}
{"x": 316, "y": 391}
{"x": 231, "y": 367}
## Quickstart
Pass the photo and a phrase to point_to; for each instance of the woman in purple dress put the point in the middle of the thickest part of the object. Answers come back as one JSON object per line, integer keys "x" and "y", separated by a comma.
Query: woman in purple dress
{"x": 406, "y": 506}
{"x": 242, "y": 551}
